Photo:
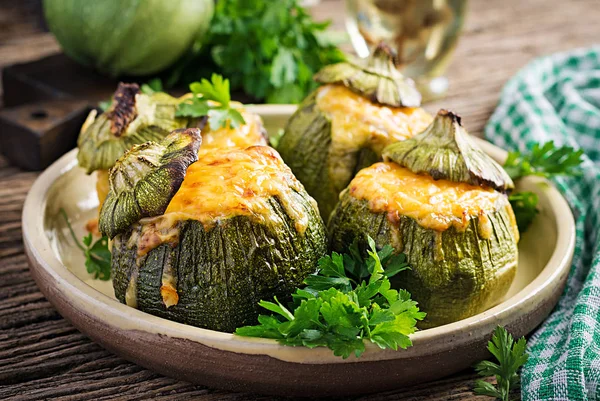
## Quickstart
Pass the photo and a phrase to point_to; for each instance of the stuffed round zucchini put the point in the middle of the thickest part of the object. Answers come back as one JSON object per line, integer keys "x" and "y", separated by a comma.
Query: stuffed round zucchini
{"x": 134, "y": 118}
{"x": 344, "y": 125}
{"x": 239, "y": 228}
{"x": 441, "y": 201}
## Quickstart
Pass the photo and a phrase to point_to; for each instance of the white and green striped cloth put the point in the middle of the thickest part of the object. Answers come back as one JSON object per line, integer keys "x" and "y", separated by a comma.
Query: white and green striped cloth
{"x": 558, "y": 98}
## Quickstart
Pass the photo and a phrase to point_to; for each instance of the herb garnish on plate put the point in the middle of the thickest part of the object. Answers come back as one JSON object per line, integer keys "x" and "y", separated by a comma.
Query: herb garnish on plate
{"x": 547, "y": 161}
{"x": 348, "y": 301}
{"x": 97, "y": 255}
{"x": 199, "y": 105}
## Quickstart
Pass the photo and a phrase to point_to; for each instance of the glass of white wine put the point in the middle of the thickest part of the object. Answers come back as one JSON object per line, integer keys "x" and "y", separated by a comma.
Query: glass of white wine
{"x": 423, "y": 32}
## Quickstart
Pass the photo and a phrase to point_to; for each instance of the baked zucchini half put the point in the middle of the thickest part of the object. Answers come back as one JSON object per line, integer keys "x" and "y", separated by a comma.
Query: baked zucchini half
{"x": 441, "y": 201}
{"x": 239, "y": 229}
{"x": 344, "y": 125}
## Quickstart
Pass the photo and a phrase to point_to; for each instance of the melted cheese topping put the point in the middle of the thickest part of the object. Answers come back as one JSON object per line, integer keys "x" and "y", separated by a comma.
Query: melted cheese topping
{"x": 249, "y": 134}
{"x": 102, "y": 186}
{"x": 356, "y": 122}
{"x": 238, "y": 182}
{"x": 436, "y": 205}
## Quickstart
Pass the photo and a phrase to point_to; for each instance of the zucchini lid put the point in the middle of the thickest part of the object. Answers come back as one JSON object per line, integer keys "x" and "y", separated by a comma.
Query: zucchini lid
{"x": 445, "y": 150}
{"x": 132, "y": 118}
{"x": 377, "y": 78}
{"x": 145, "y": 178}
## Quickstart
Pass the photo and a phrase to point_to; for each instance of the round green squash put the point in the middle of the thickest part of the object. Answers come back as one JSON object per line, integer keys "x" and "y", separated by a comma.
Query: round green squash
{"x": 127, "y": 37}
{"x": 379, "y": 105}
{"x": 454, "y": 274}
{"x": 461, "y": 263}
{"x": 223, "y": 272}
{"x": 240, "y": 228}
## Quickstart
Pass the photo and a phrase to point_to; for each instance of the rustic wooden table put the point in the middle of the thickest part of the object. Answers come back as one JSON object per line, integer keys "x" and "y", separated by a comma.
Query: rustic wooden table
{"x": 43, "y": 357}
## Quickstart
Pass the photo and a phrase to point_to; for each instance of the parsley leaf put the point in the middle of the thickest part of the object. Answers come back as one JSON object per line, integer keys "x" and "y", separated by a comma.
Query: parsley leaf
{"x": 268, "y": 49}
{"x": 511, "y": 356}
{"x": 152, "y": 86}
{"x": 97, "y": 255}
{"x": 524, "y": 205}
{"x": 546, "y": 160}
{"x": 220, "y": 114}
{"x": 217, "y": 89}
{"x": 348, "y": 301}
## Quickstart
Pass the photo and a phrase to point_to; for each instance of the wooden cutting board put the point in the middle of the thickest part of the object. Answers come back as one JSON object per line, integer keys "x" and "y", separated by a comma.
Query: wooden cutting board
{"x": 45, "y": 103}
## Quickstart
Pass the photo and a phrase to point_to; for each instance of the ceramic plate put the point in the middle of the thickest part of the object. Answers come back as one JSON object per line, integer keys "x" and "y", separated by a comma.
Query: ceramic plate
{"x": 226, "y": 361}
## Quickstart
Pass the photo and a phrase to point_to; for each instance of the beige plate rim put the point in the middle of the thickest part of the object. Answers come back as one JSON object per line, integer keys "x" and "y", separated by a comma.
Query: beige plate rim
{"x": 425, "y": 342}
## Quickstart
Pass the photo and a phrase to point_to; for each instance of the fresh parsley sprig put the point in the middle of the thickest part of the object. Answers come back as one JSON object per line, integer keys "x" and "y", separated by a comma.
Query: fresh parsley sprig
{"x": 348, "y": 301}
{"x": 511, "y": 356}
{"x": 97, "y": 254}
{"x": 524, "y": 205}
{"x": 268, "y": 49}
{"x": 153, "y": 86}
{"x": 545, "y": 160}
{"x": 220, "y": 114}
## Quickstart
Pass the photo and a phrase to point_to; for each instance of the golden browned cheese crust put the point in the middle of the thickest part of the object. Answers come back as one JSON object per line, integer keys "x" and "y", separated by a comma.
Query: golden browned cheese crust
{"x": 238, "y": 182}
{"x": 437, "y": 205}
{"x": 356, "y": 122}
{"x": 249, "y": 134}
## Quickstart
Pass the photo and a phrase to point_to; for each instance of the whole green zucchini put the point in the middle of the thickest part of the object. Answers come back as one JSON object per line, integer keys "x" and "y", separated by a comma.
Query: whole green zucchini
{"x": 128, "y": 37}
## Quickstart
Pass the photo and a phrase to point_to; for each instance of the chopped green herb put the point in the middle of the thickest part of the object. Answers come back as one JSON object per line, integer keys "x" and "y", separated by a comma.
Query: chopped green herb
{"x": 545, "y": 161}
{"x": 104, "y": 105}
{"x": 219, "y": 115}
{"x": 268, "y": 49}
{"x": 524, "y": 205}
{"x": 348, "y": 301}
{"x": 97, "y": 254}
{"x": 511, "y": 356}
{"x": 152, "y": 86}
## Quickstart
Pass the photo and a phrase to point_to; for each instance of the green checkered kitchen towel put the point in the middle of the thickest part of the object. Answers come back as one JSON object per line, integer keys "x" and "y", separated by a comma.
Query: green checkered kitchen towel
{"x": 558, "y": 98}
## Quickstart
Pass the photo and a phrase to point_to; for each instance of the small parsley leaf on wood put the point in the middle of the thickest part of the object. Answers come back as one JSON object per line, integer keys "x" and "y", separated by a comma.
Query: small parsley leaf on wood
{"x": 212, "y": 99}
{"x": 347, "y": 302}
{"x": 510, "y": 355}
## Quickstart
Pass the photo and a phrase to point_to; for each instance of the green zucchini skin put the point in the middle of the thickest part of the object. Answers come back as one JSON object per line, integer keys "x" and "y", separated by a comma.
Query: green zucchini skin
{"x": 305, "y": 148}
{"x": 464, "y": 275}
{"x": 223, "y": 272}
